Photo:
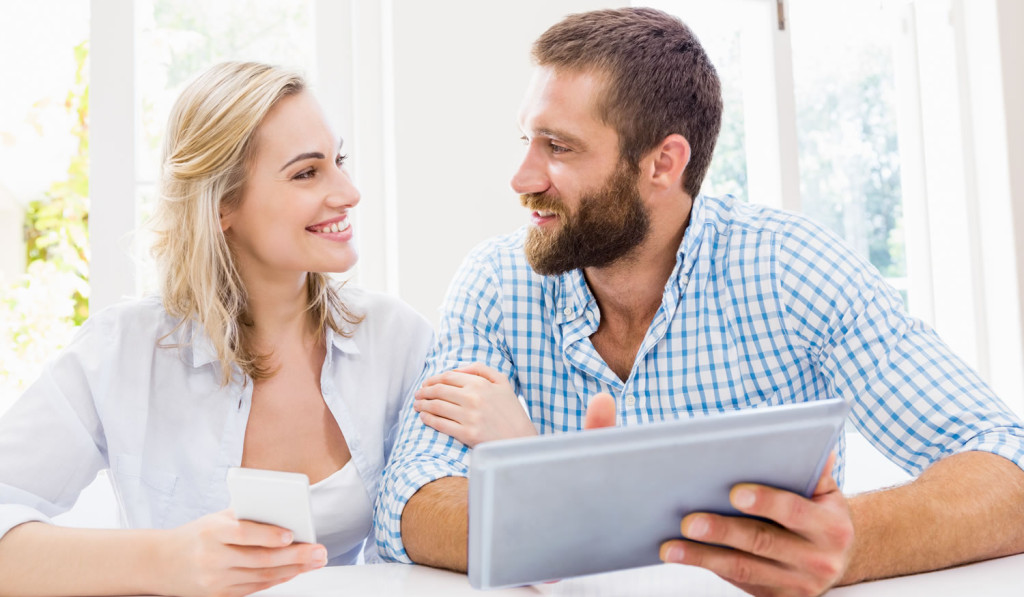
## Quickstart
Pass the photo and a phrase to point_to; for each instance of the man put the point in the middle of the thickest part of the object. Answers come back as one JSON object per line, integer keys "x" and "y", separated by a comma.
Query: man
{"x": 632, "y": 297}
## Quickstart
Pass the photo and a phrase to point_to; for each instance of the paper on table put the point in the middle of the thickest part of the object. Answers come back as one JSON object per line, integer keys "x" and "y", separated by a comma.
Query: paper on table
{"x": 649, "y": 581}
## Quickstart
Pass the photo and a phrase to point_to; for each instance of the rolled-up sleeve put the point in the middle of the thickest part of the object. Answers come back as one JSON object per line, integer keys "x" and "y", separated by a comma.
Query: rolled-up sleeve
{"x": 51, "y": 439}
{"x": 470, "y": 332}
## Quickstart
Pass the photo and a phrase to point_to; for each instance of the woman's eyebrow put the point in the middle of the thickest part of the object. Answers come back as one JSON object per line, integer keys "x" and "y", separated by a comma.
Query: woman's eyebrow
{"x": 303, "y": 156}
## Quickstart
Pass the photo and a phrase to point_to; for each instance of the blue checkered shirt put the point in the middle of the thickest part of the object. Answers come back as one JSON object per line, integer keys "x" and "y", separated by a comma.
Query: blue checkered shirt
{"x": 763, "y": 307}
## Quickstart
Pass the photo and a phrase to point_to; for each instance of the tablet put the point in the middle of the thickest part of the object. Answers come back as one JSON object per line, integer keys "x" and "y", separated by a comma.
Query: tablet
{"x": 551, "y": 507}
{"x": 273, "y": 497}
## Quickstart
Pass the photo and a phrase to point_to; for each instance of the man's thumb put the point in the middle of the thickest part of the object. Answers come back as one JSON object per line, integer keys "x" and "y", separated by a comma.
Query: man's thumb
{"x": 600, "y": 412}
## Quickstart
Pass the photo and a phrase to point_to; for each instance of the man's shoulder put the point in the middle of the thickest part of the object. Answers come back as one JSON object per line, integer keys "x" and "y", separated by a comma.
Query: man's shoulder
{"x": 496, "y": 273}
{"x": 727, "y": 214}
{"x": 502, "y": 259}
{"x": 504, "y": 249}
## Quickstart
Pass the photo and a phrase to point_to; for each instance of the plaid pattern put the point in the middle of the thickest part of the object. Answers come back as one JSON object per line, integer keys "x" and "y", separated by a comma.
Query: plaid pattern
{"x": 763, "y": 308}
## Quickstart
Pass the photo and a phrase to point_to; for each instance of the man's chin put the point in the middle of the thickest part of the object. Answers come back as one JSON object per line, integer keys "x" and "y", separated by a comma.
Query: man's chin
{"x": 546, "y": 267}
{"x": 543, "y": 254}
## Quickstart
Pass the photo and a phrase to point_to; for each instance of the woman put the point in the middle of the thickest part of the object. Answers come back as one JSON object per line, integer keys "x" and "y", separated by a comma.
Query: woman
{"x": 250, "y": 357}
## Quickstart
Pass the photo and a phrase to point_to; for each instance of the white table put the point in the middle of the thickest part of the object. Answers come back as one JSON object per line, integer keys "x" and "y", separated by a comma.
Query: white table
{"x": 1003, "y": 577}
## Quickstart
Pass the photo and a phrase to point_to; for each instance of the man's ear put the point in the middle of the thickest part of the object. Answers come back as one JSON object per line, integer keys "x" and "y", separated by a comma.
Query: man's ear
{"x": 669, "y": 161}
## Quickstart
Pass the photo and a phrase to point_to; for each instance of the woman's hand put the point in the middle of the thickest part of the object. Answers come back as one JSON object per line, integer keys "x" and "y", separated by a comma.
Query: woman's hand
{"x": 220, "y": 555}
{"x": 473, "y": 404}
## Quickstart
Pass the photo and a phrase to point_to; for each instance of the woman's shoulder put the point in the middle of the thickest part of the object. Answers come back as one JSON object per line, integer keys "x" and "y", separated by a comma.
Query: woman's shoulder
{"x": 125, "y": 334}
{"x": 381, "y": 311}
{"x": 138, "y": 316}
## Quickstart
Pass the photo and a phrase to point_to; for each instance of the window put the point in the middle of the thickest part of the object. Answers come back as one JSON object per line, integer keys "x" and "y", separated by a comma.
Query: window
{"x": 44, "y": 143}
{"x": 868, "y": 117}
{"x": 43, "y": 186}
{"x": 846, "y": 127}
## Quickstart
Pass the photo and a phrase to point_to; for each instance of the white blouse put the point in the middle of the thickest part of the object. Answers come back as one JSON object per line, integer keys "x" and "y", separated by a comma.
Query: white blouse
{"x": 159, "y": 419}
{"x": 342, "y": 515}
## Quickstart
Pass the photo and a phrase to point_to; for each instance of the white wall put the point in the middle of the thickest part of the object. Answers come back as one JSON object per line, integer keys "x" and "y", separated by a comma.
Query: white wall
{"x": 1010, "y": 17}
{"x": 994, "y": 66}
{"x": 111, "y": 151}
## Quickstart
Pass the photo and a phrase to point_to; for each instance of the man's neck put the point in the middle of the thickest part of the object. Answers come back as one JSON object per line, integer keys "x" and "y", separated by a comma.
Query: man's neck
{"x": 630, "y": 290}
{"x": 629, "y": 293}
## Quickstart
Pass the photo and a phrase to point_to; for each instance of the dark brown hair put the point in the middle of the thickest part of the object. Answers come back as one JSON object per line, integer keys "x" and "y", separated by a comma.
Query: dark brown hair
{"x": 658, "y": 80}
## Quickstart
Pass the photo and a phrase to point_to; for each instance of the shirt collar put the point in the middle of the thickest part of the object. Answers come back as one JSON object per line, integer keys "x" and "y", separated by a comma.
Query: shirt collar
{"x": 694, "y": 234}
{"x": 572, "y": 296}
{"x": 345, "y": 344}
{"x": 203, "y": 352}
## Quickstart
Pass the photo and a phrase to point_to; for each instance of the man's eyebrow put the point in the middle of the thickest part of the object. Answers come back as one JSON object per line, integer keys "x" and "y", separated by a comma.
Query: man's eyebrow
{"x": 562, "y": 136}
{"x": 310, "y": 154}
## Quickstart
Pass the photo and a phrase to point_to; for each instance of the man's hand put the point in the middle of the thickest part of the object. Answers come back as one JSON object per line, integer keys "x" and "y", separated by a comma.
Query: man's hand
{"x": 806, "y": 554}
{"x": 473, "y": 404}
{"x": 600, "y": 412}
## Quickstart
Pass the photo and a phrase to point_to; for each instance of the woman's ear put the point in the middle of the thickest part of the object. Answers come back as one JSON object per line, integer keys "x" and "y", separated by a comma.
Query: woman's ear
{"x": 670, "y": 159}
{"x": 225, "y": 221}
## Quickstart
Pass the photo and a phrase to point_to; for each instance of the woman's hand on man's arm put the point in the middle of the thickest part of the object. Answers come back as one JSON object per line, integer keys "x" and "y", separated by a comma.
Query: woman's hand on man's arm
{"x": 473, "y": 404}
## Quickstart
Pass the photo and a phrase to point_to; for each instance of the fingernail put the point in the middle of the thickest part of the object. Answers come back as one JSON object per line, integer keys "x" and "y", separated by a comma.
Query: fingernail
{"x": 286, "y": 538}
{"x": 320, "y": 556}
{"x": 674, "y": 554}
{"x": 698, "y": 527}
{"x": 743, "y": 498}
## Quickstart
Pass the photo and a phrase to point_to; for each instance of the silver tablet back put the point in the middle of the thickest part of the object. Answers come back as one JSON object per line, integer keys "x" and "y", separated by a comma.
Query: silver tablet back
{"x": 570, "y": 504}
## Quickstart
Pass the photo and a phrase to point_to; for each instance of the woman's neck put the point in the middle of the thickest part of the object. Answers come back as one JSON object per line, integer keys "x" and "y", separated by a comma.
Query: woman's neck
{"x": 279, "y": 313}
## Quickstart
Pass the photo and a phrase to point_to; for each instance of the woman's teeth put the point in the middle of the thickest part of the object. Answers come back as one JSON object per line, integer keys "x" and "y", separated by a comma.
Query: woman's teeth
{"x": 335, "y": 227}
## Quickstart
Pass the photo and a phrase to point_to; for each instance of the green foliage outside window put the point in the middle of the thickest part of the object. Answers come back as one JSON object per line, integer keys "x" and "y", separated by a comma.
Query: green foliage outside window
{"x": 40, "y": 311}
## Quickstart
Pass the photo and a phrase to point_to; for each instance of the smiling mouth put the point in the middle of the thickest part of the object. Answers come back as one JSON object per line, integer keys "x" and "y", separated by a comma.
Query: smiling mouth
{"x": 334, "y": 227}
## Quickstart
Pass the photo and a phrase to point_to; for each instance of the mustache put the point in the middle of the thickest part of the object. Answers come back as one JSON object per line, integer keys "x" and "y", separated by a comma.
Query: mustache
{"x": 541, "y": 202}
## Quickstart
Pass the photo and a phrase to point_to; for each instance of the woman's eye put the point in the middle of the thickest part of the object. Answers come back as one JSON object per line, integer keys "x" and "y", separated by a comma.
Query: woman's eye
{"x": 340, "y": 160}
{"x": 307, "y": 173}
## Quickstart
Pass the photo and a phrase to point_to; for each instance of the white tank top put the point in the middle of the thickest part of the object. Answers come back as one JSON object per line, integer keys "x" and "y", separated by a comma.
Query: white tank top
{"x": 342, "y": 514}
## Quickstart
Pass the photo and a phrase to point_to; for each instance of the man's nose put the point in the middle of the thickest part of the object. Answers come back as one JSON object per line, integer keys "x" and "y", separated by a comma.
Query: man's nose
{"x": 531, "y": 177}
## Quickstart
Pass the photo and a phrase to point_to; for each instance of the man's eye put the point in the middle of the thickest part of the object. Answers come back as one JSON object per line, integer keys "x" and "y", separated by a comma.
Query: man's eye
{"x": 556, "y": 148}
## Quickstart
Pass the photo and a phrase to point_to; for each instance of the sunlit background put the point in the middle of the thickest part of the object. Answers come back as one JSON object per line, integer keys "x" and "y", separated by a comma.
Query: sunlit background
{"x": 888, "y": 121}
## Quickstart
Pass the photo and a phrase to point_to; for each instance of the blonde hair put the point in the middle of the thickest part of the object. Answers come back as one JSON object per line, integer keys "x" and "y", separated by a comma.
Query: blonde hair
{"x": 210, "y": 145}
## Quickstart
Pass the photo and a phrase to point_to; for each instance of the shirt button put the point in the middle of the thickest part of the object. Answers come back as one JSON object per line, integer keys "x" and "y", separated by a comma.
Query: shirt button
{"x": 630, "y": 401}
{"x": 567, "y": 311}
{"x": 683, "y": 280}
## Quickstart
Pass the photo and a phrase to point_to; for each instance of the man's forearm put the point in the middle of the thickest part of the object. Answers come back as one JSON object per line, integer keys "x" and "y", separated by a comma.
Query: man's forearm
{"x": 965, "y": 508}
{"x": 435, "y": 524}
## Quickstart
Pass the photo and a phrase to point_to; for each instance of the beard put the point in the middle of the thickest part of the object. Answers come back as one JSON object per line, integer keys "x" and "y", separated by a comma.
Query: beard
{"x": 608, "y": 224}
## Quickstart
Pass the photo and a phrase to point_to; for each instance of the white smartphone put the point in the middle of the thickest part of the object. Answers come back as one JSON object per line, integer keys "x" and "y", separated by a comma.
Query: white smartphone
{"x": 273, "y": 497}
